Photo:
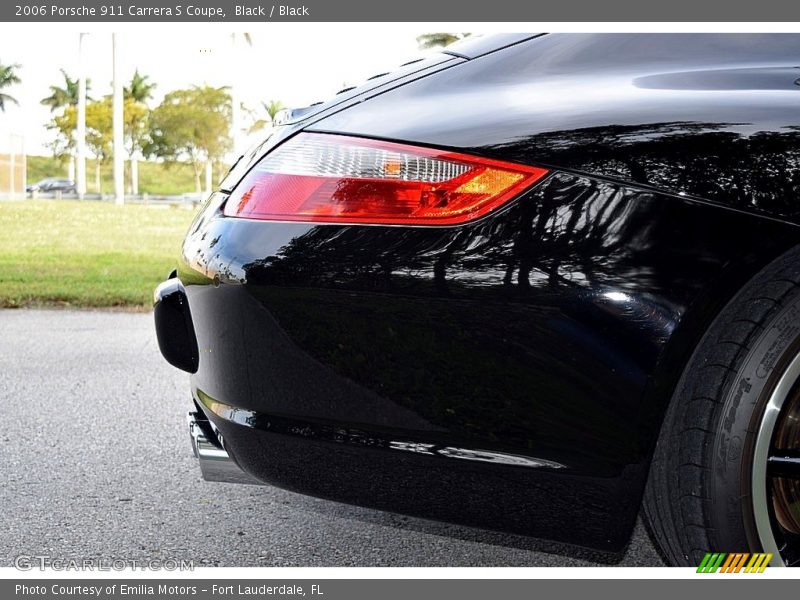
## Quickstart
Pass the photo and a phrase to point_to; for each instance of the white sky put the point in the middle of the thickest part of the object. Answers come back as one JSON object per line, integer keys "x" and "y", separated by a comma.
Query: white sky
{"x": 283, "y": 64}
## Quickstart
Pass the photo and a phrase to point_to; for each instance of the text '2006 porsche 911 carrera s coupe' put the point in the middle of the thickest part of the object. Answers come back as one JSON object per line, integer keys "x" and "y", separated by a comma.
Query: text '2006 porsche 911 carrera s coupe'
{"x": 532, "y": 283}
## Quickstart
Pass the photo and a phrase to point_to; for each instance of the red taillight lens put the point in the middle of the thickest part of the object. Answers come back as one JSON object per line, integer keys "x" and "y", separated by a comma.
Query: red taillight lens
{"x": 336, "y": 179}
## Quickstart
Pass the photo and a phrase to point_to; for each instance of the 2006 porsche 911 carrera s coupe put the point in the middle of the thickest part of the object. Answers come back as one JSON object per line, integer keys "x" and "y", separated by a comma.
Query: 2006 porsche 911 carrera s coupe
{"x": 530, "y": 283}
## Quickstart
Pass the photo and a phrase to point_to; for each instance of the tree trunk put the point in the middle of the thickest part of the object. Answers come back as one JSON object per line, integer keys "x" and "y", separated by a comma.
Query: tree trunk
{"x": 97, "y": 187}
{"x": 134, "y": 175}
{"x": 209, "y": 176}
{"x": 197, "y": 187}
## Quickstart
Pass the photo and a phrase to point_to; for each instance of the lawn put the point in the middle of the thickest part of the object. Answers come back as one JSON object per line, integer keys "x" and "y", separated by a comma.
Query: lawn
{"x": 86, "y": 254}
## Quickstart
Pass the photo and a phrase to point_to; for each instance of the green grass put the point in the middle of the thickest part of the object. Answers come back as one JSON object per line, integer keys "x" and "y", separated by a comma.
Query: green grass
{"x": 154, "y": 178}
{"x": 86, "y": 254}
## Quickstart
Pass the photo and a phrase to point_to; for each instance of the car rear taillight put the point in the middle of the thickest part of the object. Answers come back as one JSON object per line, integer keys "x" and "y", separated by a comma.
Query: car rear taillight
{"x": 323, "y": 178}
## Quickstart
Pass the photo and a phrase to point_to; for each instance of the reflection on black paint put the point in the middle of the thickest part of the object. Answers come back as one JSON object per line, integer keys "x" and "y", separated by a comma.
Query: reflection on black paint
{"x": 716, "y": 162}
{"x": 452, "y": 346}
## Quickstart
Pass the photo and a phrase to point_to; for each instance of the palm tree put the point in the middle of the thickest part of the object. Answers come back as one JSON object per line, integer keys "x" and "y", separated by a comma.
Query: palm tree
{"x": 61, "y": 97}
{"x": 64, "y": 98}
{"x": 136, "y": 116}
{"x": 433, "y": 40}
{"x": 8, "y": 77}
{"x": 272, "y": 108}
{"x": 139, "y": 89}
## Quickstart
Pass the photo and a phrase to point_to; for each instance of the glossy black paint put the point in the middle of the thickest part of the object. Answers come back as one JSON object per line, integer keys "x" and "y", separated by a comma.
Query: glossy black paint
{"x": 513, "y": 372}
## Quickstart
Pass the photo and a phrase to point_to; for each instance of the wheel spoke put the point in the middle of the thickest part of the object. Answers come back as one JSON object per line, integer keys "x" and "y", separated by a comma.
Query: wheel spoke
{"x": 784, "y": 463}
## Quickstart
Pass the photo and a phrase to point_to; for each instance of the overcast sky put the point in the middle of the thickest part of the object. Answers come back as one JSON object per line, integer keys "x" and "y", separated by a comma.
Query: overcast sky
{"x": 283, "y": 64}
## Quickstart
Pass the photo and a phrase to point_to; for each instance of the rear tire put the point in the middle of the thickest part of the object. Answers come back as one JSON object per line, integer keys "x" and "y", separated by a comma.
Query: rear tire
{"x": 699, "y": 496}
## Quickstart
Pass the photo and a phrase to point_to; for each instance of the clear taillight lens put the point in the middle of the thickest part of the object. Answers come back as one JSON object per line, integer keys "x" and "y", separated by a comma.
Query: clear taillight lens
{"x": 325, "y": 178}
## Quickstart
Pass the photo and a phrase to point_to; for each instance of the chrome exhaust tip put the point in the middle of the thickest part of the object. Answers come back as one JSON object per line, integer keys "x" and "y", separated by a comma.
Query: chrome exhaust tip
{"x": 215, "y": 463}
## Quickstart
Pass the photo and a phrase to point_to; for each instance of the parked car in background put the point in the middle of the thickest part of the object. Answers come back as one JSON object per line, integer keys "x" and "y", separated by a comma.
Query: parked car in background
{"x": 53, "y": 184}
{"x": 532, "y": 283}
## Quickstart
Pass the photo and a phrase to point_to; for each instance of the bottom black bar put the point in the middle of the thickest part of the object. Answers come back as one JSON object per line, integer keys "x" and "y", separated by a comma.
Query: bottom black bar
{"x": 729, "y": 587}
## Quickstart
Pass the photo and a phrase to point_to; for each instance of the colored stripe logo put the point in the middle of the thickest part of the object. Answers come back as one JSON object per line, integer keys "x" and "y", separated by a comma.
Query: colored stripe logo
{"x": 737, "y": 562}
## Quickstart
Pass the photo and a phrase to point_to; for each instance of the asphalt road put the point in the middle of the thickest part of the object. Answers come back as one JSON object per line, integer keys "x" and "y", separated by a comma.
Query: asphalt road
{"x": 95, "y": 462}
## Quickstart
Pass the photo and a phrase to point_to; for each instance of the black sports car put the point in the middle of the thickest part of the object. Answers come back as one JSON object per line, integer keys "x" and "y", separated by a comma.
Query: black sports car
{"x": 530, "y": 283}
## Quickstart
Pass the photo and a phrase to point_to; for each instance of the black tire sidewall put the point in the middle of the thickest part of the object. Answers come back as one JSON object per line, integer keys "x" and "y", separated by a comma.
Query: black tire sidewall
{"x": 737, "y": 423}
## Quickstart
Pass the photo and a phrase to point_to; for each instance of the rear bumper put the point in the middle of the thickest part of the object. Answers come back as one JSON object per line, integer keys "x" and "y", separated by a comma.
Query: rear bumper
{"x": 373, "y": 467}
{"x": 388, "y": 458}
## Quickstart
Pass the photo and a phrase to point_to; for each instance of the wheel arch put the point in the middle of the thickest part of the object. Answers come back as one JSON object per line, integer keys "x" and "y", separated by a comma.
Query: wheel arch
{"x": 677, "y": 354}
